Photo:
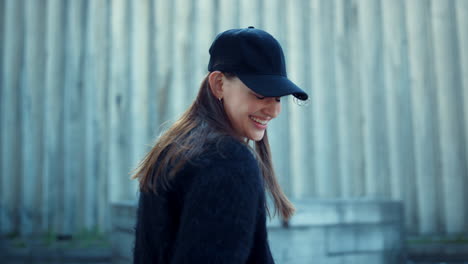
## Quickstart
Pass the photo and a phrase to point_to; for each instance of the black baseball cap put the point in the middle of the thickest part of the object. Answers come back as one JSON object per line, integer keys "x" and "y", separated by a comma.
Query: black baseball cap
{"x": 256, "y": 58}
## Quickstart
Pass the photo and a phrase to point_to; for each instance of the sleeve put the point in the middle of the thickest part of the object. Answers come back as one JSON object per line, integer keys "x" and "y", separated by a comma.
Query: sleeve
{"x": 219, "y": 214}
{"x": 139, "y": 250}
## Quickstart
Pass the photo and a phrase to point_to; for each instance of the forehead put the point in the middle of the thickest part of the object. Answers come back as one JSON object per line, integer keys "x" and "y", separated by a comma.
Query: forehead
{"x": 234, "y": 83}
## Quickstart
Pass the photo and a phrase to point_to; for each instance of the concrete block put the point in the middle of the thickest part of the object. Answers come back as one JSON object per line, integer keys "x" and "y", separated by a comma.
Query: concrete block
{"x": 374, "y": 258}
{"x": 337, "y": 211}
{"x": 370, "y": 238}
{"x": 361, "y": 212}
{"x": 358, "y": 238}
{"x": 124, "y": 215}
{"x": 382, "y": 257}
{"x": 340, "y": 239}
{"x": 316, "y": 213}
{"x": 296, "y": 243}
{"x": 122, "y": 245}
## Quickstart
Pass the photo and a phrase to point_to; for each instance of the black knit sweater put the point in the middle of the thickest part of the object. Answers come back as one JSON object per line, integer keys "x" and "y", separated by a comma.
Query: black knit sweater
{"x": 214, "y": 212}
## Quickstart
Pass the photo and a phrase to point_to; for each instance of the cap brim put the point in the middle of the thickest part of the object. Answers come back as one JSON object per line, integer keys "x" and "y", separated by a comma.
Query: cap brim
{"x": 272, "y": 85}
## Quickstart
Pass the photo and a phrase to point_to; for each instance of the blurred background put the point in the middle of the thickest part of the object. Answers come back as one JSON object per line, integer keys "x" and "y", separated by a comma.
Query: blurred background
{"x": 86, "y": 86}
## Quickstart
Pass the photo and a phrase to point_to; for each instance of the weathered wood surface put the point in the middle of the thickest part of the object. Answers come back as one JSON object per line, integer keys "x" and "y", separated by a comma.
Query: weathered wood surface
{"x": 87, "y": 86}
{"x": 323, "y": 102}
{"x": 2, "y": 110}
{"x": 450, "y": 117}
{"x": 118, "y": 102}
{"x": 139, "y": 85}
{"x": 94, "y": 188}
{"x": 348, "y": 93}
{"x": 424, "y": 137}
{"x": 373, "y": 100}
{"x": 54, "y": 117}
{"x": 31, "y": 119}
{"x": 12, "y": 54}
{"x": 279, "y": 130}
{"x": 297, "y": 117}
{"x": 461, "y": 8}
{"x": 74, "y": 129}
{"x": 399, "y": 115}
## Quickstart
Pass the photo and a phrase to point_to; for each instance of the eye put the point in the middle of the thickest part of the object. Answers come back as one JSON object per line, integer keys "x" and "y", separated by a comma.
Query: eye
{"x": 278, "y": 99}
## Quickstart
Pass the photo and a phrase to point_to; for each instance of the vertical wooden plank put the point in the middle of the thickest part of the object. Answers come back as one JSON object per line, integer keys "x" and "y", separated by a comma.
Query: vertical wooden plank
{"x": 10, "y": 128}
{"x": 273, "y": 23}
{"x": 299, "y": 157}
{"x": 95, "y": 118}
{"x": 270, "y": 19}
{"x": 203, "y": 17}
{"x": 307, "y": 84}
{"x": 153, "y": 67}
{"x": 88, "y": 188}
{"x": 248, "y": 12}
{"x": 102, "y": 98}
{"x": 373, "y": 100}
{"x": 314, "y": 93}
{"x": 2, "y": 94}
{"x": 228, "y": 16}
{"x": 356, "y": 133}
{"x": 324, "y": 102}
{"x": 53, "y": 109}
{"x": 2, "y": 29}
{"x": 422, "y": 106}
{"x": 450, "y": 109}
{"x": 32, "y": 118}
{"x": 180, "y": 22}
{"x": 139, "y": 79}
{"x": 396, "y": 81}
{"x": 161, "y": 50}
{"x": 73, "y": 118}
{"x": 461, "y": 8}
{"x": 261, "y": 4}
{"x": 119, "y": 102}
{"x": 348, "y": 99}
{"x": 392, "y": 81}
{"x": 341, "y": 62}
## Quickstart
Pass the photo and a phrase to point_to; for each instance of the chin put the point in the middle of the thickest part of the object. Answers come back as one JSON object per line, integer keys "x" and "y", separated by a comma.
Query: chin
{"x": 256, "y": 137}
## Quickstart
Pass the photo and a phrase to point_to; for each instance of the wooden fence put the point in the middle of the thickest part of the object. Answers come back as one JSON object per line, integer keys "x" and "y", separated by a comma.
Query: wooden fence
{"x": 86, "y": 87}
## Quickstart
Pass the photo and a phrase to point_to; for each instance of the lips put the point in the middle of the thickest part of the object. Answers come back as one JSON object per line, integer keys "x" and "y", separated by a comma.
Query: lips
{"x": 262, "y": 122}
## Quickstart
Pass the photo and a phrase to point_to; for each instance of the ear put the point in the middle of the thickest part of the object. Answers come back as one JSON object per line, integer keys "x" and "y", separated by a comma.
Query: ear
{"x": 216, "y": 83}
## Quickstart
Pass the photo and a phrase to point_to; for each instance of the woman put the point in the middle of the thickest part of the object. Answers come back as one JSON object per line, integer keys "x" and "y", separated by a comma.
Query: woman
{"x": 202, "y": 196}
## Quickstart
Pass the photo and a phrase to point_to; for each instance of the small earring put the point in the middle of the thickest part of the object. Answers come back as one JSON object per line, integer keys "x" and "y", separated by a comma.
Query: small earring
{"x": 220, "y": 99}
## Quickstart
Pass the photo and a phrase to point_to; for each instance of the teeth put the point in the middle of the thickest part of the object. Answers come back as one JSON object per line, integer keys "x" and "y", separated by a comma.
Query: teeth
{"x": 263, "y": 122}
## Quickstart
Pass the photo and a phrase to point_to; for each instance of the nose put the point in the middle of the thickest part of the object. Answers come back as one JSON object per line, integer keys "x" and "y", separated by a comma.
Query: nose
{"x": 273, "y": 107}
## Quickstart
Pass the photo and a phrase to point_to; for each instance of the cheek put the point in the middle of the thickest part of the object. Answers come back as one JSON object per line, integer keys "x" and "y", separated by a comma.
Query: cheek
{"x": 245, "y": 107}
{"x": 236, "y": 109}
{"x": 238, "y": 112}
{"x": 254, "y": 106}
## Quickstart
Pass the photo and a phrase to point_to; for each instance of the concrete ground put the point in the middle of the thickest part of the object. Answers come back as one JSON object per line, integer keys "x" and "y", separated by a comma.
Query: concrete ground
{"x": 47, "y": 250}
{"x": 98, "y": 251}
{"x": 441, "y": 250}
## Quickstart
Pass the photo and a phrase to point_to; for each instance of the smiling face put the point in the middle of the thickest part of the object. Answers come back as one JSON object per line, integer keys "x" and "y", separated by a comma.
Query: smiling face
{"x": 248, "y": 112}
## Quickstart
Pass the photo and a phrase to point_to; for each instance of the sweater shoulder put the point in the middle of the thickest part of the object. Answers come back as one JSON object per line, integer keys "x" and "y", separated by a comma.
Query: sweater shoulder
{"x": 229, "y": 149}
{"x": 225, "y": 160}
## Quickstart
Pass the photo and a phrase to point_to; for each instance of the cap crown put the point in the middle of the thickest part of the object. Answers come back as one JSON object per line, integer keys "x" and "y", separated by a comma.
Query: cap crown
{"x": 247, "y": 51}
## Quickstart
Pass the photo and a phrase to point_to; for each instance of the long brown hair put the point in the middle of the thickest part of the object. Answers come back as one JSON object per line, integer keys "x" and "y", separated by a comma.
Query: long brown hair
{"x": 205, "y": 120}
